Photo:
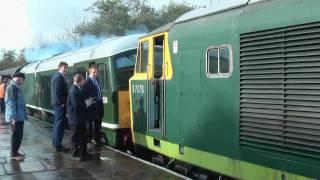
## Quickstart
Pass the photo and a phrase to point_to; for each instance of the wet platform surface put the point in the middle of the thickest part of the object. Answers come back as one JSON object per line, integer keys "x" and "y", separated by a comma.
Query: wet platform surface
{"x": 42, "y": 162}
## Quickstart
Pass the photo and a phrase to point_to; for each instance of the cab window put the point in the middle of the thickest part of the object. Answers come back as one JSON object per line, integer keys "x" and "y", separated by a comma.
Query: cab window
{"x": 124, "y": 67}
{"x": 102, "y": 75}
{"x": 82, "y": 71}
{"x": 143, "y": 56}
{"x": 158, "y": 56}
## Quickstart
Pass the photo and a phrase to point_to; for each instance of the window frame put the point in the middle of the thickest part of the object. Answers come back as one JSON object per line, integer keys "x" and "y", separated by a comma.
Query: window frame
{"x": 219, "y": 75}
{"x": 154, "y": 60}
{"x": 99, "y": 65}
{"x": 79, "y": 71}
{"x": 132, "y": 53}
{"x": 138, "y": 59}
{"x": 138, "y": 68}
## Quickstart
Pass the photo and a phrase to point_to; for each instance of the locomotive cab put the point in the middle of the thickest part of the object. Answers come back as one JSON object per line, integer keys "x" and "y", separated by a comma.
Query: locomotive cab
{"x": 148, "y": 87}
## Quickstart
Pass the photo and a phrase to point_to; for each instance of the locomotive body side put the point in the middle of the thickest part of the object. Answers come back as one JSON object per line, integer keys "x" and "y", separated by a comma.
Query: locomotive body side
{"x": 237, "y": 102}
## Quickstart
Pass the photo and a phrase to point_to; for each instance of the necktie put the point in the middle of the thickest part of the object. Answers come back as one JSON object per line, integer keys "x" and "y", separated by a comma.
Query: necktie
{"x": 98, "y": 87}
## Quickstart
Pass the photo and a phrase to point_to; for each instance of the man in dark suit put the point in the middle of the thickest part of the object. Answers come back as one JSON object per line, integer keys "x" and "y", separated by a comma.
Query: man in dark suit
{"x": 59, "y": 93}
{"x": 92, "y": 91}
{"x": 77, "y": 117}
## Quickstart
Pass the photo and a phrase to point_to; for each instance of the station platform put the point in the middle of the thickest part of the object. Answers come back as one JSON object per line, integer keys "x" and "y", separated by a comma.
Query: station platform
{"x": 42, "y": 162}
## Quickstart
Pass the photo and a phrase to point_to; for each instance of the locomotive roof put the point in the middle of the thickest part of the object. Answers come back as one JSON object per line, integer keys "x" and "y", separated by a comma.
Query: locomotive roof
{"x": 107, "y": 48}
{"x": 214, "y": 8}
{"x": 201, "y": 12}
{"x": 160, "y": 29}
{"x": 29, "y": 67}
{"x": 10, "y": 71}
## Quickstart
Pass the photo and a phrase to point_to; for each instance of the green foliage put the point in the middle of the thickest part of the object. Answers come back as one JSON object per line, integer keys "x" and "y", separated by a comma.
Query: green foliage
{"x": 8, "y": 56}
{"x": 172, "y": 11}
{"x": 11, "y": 59}
{"x": 112, "y": 15}
{"x": 115, "y": 17}
{"x": 142, "y": 14}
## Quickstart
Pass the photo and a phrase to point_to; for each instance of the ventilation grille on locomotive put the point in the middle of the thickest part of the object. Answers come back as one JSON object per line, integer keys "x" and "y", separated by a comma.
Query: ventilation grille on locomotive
{"x": 280, "y": 90}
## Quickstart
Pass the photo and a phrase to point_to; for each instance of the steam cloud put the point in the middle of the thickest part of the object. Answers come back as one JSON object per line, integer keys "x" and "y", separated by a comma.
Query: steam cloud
{"x": 139, "y": 29}
{"x": 55, "y": 48}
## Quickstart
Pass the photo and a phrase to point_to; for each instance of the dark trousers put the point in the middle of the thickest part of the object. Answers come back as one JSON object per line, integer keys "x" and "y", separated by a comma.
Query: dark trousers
{"x": 97, "y": 129}
{"x": 94, "y": 129}
{"x": 16, "y": 137}
{"x": 2, "y": 105}
{"x": 78, "y": 139}
{"x": 58, "y": 126}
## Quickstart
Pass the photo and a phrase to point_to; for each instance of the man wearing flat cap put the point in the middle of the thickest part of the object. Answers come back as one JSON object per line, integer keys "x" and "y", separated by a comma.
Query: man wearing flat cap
{"x": 16, "y": 113}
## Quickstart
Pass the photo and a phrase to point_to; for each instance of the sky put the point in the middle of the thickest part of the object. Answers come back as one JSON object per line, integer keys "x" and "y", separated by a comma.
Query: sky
{"x": 23, "y": 21}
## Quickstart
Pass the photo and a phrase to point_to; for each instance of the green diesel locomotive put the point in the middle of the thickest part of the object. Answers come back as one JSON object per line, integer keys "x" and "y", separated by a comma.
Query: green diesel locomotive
{"x": 115, "y": 59}
{"x": 233, "y": 89}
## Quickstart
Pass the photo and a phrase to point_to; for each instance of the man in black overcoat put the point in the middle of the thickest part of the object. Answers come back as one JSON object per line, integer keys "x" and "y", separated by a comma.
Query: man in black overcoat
{"x": 77, "y": 117}
{"x": 92, "y": 92}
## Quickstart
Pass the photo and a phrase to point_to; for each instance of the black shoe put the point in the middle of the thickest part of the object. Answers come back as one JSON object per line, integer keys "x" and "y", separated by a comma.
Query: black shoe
{"x": 62, "y": 149}
{"x": 75, "y": 154}
{"x": 17, "y": 158}
{"x": 83, "y": 157}
{"x": 65, "y": 149}
{"x": 90, "y": 141}
{"x": 58, "y": 149}
{"x": 98, "y": 143}
{"x": 20, "y": 154}
{"x": 86, "y": 154}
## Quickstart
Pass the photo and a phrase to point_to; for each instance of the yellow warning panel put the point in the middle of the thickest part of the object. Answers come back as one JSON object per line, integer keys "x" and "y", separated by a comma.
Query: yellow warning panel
{"x": 124, "y": 109}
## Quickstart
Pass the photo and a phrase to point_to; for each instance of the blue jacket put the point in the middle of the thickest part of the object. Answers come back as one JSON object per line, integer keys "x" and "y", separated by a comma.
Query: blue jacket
{"x": 59, "y": 90}
{"x": 15, "y": 103}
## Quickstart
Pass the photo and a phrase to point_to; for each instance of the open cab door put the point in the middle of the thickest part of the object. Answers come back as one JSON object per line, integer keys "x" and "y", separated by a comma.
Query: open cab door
{"x": 148, "y": 86}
